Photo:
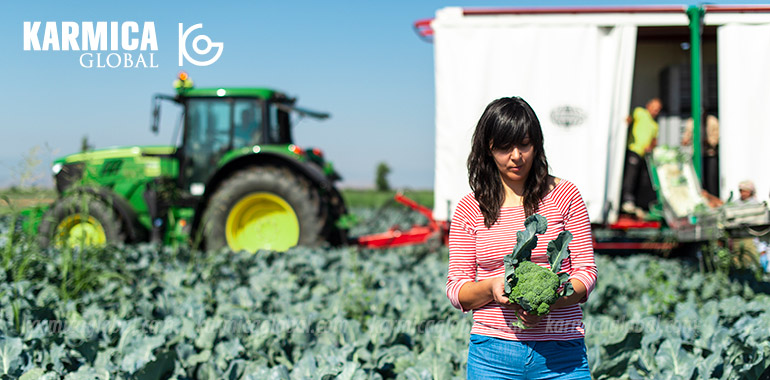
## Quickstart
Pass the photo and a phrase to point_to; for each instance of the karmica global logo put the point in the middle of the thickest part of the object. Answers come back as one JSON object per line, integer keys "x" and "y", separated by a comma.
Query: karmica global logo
{"x": 183, "y": 34}
{"x": 113, "y": 44}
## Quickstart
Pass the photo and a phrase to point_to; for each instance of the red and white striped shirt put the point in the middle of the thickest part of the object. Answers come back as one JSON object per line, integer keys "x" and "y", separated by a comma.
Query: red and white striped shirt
{"x": 476, "y": 253}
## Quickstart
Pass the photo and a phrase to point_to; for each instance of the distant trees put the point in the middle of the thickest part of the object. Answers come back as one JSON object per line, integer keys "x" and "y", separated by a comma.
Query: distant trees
{"x": 85, "y": 146}
{"x": 382, "y": 177}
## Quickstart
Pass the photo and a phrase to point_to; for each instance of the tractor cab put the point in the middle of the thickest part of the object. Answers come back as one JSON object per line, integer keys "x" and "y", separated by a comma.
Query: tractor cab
{"x": 218, "y": 121}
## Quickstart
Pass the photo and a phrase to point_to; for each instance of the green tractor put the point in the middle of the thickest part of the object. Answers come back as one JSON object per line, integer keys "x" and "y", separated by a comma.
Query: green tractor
{"x": 236, "y": 179}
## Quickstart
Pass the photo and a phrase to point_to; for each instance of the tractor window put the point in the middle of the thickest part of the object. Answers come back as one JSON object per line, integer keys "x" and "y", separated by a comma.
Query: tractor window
{"x": 207, "y": 136}
{"x": 209, "y": 124}
{"x": 280, "y": 126}
{"x": 248, "y": 123}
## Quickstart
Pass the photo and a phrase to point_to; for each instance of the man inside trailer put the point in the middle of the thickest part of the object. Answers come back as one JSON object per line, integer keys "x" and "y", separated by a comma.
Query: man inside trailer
{"x": 642, "y": 138}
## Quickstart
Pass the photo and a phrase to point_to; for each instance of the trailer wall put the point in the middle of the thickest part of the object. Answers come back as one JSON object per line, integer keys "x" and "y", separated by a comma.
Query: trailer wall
{"x": 744, "y": 106}
{"x": 575, "y": 71}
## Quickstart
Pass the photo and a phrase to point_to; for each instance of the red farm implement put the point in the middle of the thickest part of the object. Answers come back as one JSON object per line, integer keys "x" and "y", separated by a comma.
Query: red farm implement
{"x": 434, "y": 231}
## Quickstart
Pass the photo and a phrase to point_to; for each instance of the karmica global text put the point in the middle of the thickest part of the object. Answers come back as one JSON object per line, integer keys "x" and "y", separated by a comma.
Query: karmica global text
{"x": 128, "y": 45}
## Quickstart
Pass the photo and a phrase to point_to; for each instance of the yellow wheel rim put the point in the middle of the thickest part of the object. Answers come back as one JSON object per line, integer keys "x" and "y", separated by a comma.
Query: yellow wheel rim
{"x": 75, "y": 231}
{"x": 262, "y": 221}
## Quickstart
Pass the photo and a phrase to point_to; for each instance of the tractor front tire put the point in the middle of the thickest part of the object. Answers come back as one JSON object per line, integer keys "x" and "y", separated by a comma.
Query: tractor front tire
{"x": 262, "y": 207}
{"x": 80, "y": 220}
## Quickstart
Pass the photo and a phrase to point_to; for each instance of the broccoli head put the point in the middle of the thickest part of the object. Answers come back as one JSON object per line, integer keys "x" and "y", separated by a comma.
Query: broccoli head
{"x": 535, "y": 288}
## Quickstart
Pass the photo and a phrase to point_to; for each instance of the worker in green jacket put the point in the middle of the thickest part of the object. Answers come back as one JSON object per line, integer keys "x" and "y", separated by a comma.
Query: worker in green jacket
{"x": 642, "y": 138}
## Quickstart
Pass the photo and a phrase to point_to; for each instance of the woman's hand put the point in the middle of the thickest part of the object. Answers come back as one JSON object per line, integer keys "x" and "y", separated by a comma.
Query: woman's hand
{"x": 497, "y": 288}
{"x": 528, "y": 319}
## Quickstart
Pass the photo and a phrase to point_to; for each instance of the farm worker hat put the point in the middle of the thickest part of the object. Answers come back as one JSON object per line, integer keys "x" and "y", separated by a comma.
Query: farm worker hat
{"x": 747, "y": 185}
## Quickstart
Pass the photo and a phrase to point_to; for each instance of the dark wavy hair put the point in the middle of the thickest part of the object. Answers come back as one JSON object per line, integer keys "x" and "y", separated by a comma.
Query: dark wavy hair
{"x": 506, "y": 122}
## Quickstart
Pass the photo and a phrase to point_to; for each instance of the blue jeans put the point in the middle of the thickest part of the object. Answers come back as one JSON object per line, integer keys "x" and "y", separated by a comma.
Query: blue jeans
{"x": 495, "y": 358}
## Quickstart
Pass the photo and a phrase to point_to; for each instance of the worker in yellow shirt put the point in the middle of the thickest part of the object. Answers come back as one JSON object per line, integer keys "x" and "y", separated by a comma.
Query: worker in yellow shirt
{"x": 637, "y": 187}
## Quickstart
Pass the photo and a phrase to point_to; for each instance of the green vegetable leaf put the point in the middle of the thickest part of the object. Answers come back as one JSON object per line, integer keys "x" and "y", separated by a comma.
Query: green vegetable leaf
{"x": 10, "y": 354}
{"x": 139, "y": 352}
{"x": 677, "y": 362}
{"x": 156, "y": 369}
{"x": 236, "y": 369}
{"x": 707, "y": 365}
{"x": 227, "y": 351}
{"x": 33, "y": 374}
{"x": 200, "y": 357}
{"x": 510, "y": 278}
{"x": 86, "y": 372}
{"x": 526, "y": 240}
{"x": 415, "y": 374}
{"x": 542, "y": 223}
{"x": 208, "y": 334}
{"x": 557, "y": 250}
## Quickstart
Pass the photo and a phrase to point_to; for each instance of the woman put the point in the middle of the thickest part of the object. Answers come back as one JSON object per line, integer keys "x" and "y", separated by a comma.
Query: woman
{"x": 508, "y": 174}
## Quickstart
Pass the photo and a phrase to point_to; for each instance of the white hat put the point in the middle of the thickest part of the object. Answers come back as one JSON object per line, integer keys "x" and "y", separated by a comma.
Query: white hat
{"x": 747, "y": 185}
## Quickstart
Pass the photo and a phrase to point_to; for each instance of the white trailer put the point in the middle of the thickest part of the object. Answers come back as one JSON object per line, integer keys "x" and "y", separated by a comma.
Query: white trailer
{"x": 583, "y": 70}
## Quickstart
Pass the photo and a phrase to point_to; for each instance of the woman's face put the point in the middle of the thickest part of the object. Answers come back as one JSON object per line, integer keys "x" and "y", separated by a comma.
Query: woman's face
{"x": 515, "y": 163}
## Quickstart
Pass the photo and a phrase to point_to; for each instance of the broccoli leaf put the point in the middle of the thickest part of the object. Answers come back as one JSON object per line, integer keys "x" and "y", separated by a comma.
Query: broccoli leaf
{"x": 526, "y": 240}
{"x": 542, "y": 223}
{"x": 566, "y": 285}
{"x": 510, "y": 279}
{"x": 557, "y": 250}
{"x": 567, "y": 290}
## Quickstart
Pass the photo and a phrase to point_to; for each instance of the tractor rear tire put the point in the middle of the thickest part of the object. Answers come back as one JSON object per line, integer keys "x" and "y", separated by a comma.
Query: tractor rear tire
{"x": 262, "y": 207}
{"x": 80, "y": 219}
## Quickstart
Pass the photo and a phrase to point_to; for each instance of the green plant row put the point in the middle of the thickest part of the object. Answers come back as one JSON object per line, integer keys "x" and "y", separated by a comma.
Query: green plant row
{"x": 144, "y": 312}
{"x": 652, "y": 318}
{"x": 304, "y": 314}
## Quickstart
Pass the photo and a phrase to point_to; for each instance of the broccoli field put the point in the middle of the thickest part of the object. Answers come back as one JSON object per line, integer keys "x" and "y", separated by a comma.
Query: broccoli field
{"x": 143, "y": 312}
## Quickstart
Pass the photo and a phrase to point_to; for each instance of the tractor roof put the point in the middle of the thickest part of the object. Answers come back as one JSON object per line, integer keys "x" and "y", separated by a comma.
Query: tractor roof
{"x": 251, "y": 92}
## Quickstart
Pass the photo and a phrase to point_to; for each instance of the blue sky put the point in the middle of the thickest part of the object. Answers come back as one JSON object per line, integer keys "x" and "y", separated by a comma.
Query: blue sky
{"x": 360, "y": 61}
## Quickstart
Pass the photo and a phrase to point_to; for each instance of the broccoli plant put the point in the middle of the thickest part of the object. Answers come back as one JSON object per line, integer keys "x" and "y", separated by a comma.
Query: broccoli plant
{"x": 533, "y": 287}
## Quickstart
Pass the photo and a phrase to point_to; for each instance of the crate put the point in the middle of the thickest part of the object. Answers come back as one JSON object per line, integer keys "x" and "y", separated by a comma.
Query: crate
{"x": 737, "y": 215}
{"x": 704, "y": 226}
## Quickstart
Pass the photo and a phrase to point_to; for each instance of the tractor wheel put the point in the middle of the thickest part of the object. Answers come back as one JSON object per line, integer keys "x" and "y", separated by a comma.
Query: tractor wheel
{"x": 262, "y": 207}
{"x": 80, "y": 220}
